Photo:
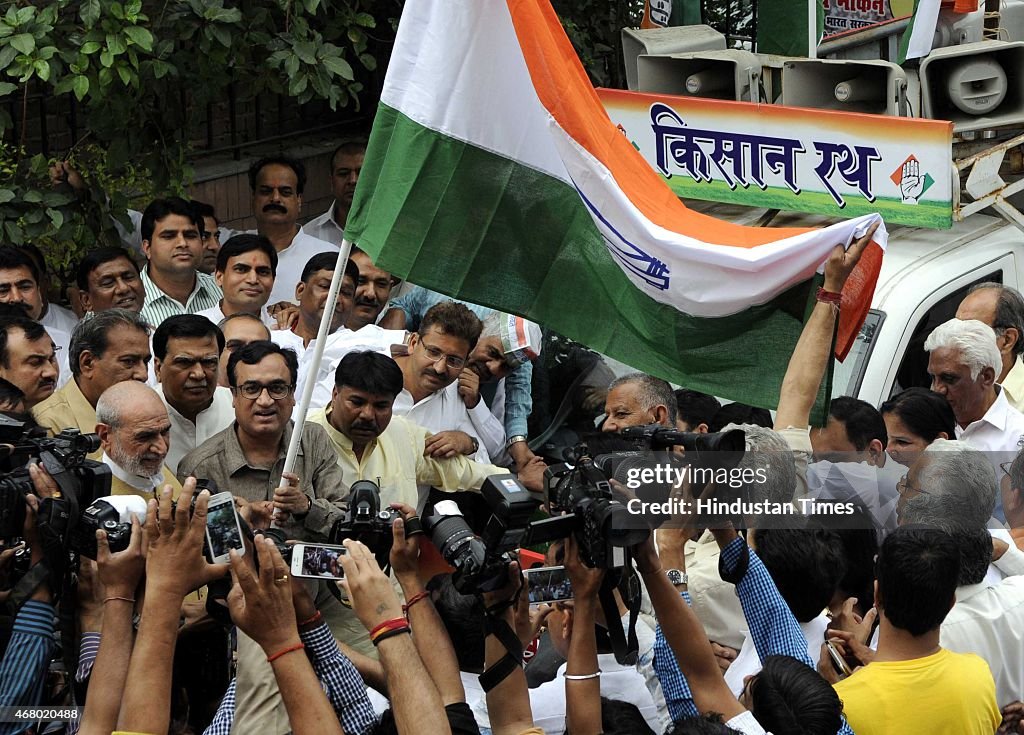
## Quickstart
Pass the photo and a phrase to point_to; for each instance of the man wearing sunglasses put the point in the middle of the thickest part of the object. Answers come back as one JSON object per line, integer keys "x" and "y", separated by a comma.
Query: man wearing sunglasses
{"x": 435, "y": 386}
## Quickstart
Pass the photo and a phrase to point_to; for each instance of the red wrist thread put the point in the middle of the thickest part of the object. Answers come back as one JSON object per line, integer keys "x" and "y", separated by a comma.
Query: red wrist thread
{"x": 828, "y": 297}
{"x": 279, "y": 654}
{"x": 412, "y": 601}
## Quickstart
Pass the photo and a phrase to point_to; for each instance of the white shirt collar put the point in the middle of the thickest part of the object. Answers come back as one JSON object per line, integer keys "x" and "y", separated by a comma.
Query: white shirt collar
{"x": 997, "y": 412}
{"x": 149, "y": 484}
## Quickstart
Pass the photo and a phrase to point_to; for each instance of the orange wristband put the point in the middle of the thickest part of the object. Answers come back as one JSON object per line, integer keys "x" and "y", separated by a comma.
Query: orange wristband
{"x": 279, "y": 654}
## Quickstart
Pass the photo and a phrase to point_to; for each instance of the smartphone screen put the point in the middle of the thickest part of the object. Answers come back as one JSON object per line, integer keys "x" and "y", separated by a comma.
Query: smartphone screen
{"x": 548, "y": 584}
{"x": 222, "y": 529}
{"x": 319, "y": 562}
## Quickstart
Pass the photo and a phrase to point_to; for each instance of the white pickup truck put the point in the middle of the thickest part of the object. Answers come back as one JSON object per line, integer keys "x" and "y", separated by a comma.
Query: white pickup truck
{"x": 925, "y": 274}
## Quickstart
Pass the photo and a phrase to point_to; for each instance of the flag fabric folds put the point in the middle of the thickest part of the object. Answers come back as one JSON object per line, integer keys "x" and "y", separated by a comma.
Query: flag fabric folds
{"x": 493, "y": 174}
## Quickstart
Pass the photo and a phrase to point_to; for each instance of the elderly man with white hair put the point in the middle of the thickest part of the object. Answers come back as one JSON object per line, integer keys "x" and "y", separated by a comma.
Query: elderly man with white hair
{"x": 963, "y": 363}
{"x": 135, "y": 431}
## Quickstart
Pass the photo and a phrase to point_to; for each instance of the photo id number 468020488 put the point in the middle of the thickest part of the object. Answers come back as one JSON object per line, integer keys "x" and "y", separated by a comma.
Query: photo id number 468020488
{"x": 37, "y": 714}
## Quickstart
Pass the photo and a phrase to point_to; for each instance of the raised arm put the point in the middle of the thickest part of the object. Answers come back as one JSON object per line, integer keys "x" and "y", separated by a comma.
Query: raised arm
{"x": 119, "y": 575}
{"x": 686, "y": 637}
{"x": 582, "y": 675}
{"x": 429, "y": 634}
{"x": 377, "y": 607}
{"x": 174, "y": 567}
{"x": 261, "y": 606}
{"x": 773, "y": 627}
{"x": 508, "y": 701}
{"x": 810, "y": 357}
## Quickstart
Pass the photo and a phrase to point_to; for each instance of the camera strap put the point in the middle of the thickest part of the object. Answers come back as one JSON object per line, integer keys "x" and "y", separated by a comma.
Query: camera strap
{"x": 497, "y": 626}
{"x": 53, "y": 519}
{"x": 513, "y": 658}
{"x": 624, "y": 643}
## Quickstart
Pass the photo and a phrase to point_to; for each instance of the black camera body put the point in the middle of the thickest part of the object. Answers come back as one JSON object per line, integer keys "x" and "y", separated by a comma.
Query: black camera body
{"x": 102, "y": 514}
{"x": 481, "y": 562}
{"x": 365, "y": 521}
{"x": 583, "y": 505}
{"x": 64, "y": 457}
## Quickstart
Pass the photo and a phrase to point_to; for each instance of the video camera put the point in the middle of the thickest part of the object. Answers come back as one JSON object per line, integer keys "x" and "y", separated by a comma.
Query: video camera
{"x": 481, "y": 562}
{"x": 582, "y": 493}
{"x": 64, "y": 457}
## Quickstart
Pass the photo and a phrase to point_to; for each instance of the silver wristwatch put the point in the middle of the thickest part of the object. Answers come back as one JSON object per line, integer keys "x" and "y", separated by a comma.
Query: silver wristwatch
{"x": 676, "y": 577}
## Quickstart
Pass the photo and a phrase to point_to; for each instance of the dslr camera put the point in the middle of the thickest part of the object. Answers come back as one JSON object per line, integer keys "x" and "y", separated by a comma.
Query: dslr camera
{"x": 366, "y": 522}
{"x": 64, "y": 457}
{"x": 481, "y": 562}
{"x": 112, "y": 514}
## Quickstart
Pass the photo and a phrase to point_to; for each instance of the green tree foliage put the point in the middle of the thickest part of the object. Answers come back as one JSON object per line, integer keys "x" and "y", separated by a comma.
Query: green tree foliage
{"x": 142, "y": 72}
{"x": 594, "y": 27}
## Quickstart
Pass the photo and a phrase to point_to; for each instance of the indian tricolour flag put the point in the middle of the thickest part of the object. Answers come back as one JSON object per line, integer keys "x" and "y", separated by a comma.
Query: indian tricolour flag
{"x": 494, "y": 175}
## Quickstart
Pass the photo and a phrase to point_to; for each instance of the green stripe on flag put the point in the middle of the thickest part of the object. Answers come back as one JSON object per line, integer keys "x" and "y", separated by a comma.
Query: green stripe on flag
{"x": 469, "y": 223}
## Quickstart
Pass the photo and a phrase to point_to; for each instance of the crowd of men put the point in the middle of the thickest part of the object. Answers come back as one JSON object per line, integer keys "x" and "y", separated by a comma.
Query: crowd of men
{"x": 186, "y": 352}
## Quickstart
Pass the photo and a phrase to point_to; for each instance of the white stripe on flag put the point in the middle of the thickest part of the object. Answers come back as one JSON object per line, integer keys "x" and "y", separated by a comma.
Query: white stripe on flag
{"x": 922, "y": 33}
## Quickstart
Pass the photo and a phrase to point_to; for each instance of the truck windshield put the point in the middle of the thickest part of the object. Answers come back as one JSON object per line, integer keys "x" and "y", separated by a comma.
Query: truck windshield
{"x": 848, "y": 374}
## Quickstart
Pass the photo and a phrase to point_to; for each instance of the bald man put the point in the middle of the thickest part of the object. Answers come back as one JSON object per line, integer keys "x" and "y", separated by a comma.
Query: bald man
{"x": 134, "y": 432}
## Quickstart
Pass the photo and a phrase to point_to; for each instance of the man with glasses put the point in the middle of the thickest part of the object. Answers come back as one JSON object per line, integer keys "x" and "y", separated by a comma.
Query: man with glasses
{"x": 247, "y": 458}
{"x": 435, "y": 386}
{"x": 501, "y": 361}
{"x": 187, "y": 350}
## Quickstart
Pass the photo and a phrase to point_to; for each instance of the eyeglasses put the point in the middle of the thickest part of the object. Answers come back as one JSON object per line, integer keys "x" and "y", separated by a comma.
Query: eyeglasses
{"x": 903, "y": 486}
{"x": 435, "y": 355}
{"x": 253, "y": 390}
{"x": 1005, "y": 467}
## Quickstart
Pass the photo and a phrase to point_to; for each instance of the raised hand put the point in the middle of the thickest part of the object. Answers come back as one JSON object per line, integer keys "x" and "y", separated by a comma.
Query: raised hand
{"x": 175, "y": 564}
{"x": 841, "y": 261}
{"x": 261, "y": 604}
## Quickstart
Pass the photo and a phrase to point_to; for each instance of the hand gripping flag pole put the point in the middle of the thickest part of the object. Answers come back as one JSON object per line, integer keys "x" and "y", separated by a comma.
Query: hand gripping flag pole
{"x": 313, "y": 367}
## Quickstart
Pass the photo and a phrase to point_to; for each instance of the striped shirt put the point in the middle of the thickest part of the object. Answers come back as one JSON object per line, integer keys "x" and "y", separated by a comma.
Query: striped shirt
{"x": 773, "y": 628}
{"x": 23, "y": 669}
{"x": 205, "y": 295}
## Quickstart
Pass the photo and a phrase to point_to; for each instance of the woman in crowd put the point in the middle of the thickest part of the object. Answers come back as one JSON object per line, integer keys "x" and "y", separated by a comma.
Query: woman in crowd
{"x": 913, "y": 420}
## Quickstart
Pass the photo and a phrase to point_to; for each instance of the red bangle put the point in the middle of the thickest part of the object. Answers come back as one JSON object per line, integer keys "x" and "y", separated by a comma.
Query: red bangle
{"x": 412, "y": 601}
{"x": 828, "y": 297}
{"x": 279, "y": 654}
{"x": 316, "y": 618}
{"x": 393, "y": 624}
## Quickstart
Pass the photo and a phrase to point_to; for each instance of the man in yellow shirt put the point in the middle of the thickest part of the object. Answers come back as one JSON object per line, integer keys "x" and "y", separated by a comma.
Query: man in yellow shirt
{"x": 110, "y": 347}
{"x": 913, "y": 685}
{"x": 374, "y": 445}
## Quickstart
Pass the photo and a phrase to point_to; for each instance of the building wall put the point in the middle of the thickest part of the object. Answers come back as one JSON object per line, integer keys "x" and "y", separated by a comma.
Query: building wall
{"x": 225, "y": 185}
